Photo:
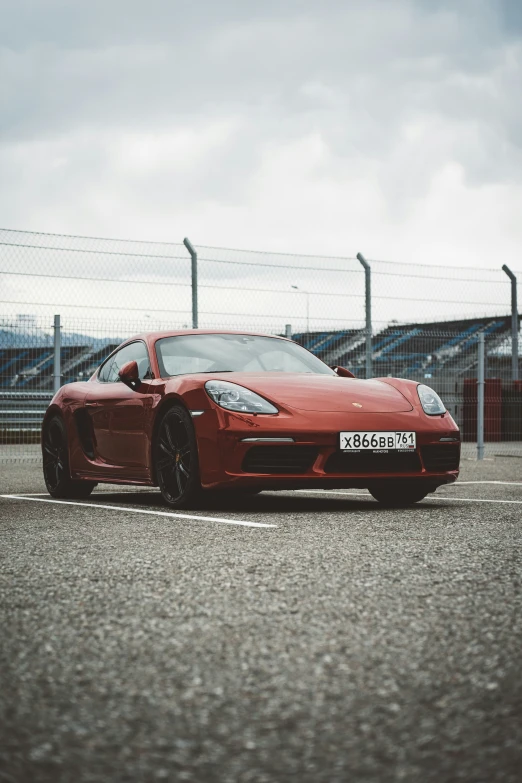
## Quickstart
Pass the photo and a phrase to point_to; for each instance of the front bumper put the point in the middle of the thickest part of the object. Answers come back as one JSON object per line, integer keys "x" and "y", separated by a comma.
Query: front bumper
{"x": 223, "y": 450}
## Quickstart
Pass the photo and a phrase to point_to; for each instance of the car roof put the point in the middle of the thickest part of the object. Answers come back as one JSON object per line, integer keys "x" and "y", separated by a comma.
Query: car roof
{"x": 152, "y": 337}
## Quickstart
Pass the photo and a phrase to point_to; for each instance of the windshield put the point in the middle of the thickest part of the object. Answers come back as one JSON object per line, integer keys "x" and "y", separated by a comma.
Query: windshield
{"x": 191, "y": 353}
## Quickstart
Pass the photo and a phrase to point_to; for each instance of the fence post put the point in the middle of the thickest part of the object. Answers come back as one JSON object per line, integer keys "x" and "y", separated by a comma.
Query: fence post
{"x": 514, "y": 323}
{"x": 368, "y": 311}
{"x": 288, "y": 331}
{"x": 480, "y": 398}
{"x": 194, "y": 258}
{"x": 57, "y": 373}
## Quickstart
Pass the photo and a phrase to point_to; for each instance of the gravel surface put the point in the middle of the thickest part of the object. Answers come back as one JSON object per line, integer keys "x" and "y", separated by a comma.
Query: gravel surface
{"x": 348, "y": 643}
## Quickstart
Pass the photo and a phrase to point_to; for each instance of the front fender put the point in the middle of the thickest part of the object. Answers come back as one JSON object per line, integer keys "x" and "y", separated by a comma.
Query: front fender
{"x": 409, "y": 390}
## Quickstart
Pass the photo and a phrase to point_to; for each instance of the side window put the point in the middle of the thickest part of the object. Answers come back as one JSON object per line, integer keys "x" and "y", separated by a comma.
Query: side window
{"x": 133, "y": 352}
{"x": 105, "y": 369}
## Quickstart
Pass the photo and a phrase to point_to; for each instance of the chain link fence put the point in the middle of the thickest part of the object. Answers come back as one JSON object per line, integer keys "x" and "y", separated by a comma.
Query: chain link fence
{"x": 427, "y": 321}
{"x": 48, "y": 273}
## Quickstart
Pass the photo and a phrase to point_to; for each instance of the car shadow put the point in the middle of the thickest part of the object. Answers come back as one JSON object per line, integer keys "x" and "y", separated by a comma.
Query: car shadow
{"x": 264, "y": 503}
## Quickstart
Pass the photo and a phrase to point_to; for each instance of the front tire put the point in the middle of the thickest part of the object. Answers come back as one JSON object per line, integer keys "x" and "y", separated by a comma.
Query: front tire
{"x": 398, "y": 495}
{"x": 56, "y": 470}
{"x": 176, "y": 461}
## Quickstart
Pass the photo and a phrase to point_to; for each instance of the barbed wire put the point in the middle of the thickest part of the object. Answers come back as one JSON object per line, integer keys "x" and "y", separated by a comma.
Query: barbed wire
{"x": 96, "y": 252}
{"x": 80, "y": 236}
{"x": 243, "y": 262}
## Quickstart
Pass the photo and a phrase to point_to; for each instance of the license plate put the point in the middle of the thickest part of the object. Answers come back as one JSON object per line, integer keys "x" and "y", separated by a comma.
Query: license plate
{"x": 377, "y": 441}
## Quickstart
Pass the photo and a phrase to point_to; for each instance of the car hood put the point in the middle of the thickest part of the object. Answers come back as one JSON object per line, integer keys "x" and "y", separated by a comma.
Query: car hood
{"x": 322, "y": 392}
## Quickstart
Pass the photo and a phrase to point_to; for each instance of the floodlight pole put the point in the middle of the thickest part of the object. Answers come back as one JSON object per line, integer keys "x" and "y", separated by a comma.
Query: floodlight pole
{"x": 57, "y": 371}
{"x": 514, "y": 323}
{"x": 194, "y": 258}
{"x": 480, "y": 397}
{"x": 368, "y": 310}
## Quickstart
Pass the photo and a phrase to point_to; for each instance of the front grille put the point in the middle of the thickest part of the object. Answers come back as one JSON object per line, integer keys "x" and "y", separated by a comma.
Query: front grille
{"x": 279, "y": 459}
{"x": 441, "y": 457}
{"x": 368, "y": 462}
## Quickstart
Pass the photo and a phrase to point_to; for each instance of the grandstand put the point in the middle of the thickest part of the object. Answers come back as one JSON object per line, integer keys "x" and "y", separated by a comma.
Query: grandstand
{"x": 427, "y": 350}
{"x": 30, "y": 368}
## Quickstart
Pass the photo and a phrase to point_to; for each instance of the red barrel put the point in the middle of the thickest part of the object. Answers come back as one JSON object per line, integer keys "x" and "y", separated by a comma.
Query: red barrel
{"x": 492, "y": 410}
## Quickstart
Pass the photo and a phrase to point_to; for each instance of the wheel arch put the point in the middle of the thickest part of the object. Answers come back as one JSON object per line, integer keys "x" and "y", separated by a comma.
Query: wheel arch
{"x": 69, "y": 422}
{"x": 171, "y": 401}
{"x": 51, "y": 411}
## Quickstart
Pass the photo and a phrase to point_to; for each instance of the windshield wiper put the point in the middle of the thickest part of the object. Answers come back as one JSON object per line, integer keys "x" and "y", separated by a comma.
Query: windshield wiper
{"x": 207, "y": 371}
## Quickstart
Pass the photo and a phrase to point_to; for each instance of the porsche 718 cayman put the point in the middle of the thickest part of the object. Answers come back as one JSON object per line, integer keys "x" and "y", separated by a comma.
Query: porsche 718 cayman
{"x": 192, "y": 411}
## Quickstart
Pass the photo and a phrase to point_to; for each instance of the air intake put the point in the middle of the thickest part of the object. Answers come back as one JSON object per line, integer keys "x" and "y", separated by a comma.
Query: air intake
{"x": 440, "y": 458}
{"x": 279, "y": 459}
{"x": 368, "y": 462}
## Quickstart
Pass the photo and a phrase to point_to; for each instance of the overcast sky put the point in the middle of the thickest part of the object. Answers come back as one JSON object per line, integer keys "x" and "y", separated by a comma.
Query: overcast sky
{"x": 388, "y": 126}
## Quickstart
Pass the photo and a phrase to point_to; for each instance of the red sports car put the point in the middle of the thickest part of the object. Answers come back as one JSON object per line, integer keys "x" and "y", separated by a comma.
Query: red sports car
{"x": 191, "y": 411}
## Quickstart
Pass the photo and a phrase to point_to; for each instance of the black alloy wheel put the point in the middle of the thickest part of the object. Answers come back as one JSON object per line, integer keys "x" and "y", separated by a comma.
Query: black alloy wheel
{"x": 398, "y": 495}
{"x": 56, "y": 463}
{"x": 176, "y": 458}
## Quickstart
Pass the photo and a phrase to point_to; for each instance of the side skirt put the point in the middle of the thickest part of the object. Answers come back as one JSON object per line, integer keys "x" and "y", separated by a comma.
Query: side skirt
{"x": 104, "y": 480}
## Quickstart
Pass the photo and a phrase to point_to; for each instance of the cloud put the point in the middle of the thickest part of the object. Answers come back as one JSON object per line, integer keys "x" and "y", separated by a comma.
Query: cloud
{"x": 388, "y": 126}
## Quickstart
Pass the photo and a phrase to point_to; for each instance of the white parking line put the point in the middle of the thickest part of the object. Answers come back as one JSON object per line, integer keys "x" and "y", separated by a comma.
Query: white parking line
{"x": 504, "y": 483}
{"x": 472, "y": 500}
{"x": 118, "y": 491}
{"x": 439, "y": 497}
{"x": 142, "y": 511}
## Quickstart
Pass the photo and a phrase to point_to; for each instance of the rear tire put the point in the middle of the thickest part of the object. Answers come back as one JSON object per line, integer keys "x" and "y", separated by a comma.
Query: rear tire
{"x": 56, "y": 470}
{"x": 175, "y": 455}
{"x": 398, "y": 496}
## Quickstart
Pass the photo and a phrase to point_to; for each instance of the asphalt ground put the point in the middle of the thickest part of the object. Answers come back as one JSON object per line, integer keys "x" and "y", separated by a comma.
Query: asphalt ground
{"x": 343, "y": 643}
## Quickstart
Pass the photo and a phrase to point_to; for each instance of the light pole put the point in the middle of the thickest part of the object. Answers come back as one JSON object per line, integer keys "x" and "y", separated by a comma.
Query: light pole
{"x": 368, "y": 312}
{"x": 194, "y": 262}
{"x": 514, "y": 322}
{"x": 307, "y": 293}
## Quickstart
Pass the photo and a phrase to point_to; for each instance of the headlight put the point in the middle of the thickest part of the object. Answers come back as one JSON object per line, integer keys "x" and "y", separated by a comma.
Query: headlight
{"x": 430, "y": 401}
{"x": 236, "y": 398}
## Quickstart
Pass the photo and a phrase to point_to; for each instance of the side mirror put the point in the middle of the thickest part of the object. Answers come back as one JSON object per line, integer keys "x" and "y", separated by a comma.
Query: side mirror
{"x": 342, "y": 372}
{"x": 129, "y": 375}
